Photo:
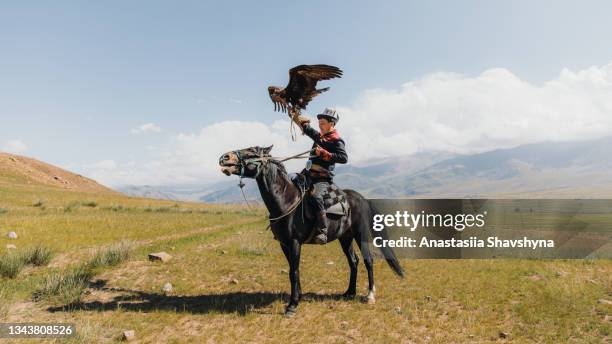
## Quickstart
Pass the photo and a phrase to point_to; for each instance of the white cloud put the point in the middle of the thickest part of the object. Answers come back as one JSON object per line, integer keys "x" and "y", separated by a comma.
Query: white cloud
{"x": 440, "y": 111}
{"x": 452, "y": 112}
{"x": 14, "y": 146}
{"x": 147, "y": 128}
{"x": 193, "y": 158}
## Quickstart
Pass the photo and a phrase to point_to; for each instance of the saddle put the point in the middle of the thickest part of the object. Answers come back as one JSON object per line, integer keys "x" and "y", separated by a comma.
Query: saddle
{"x": 335, "y": 201}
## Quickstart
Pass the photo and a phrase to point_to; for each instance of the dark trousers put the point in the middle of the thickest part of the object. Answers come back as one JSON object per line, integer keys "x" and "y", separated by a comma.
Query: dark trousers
{"x": 316, "y": 199}
{"x": 319, "y": 185}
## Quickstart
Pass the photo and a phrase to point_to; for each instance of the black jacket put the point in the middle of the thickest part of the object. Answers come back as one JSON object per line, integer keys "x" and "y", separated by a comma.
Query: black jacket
{"x": 332, "y": 143}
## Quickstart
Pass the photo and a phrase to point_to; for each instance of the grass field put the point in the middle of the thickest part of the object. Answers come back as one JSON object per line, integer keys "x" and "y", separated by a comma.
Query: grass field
{"x": 230, "y": 281}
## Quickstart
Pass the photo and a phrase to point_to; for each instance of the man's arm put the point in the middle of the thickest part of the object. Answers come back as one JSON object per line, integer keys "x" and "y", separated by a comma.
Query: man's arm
{"x": 304, "y": 123}
{"x": 311, "y": 132}
{"x": 338, "y": 156}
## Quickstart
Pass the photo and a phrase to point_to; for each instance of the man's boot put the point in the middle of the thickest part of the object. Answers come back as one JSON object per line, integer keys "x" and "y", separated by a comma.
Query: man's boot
{"x": 321, "y": 228}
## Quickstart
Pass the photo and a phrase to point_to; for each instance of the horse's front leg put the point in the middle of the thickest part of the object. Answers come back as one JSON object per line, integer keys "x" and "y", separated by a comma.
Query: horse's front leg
{"x": 287, "y": 252}
{"x": 294, "y": 276}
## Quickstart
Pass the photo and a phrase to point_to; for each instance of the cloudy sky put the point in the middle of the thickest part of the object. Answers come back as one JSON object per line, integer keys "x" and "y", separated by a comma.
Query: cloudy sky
{"x": 153, "y": 92}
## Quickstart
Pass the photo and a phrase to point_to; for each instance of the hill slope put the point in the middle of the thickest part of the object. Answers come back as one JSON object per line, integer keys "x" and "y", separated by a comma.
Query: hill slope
{"x": 15, "y": 169}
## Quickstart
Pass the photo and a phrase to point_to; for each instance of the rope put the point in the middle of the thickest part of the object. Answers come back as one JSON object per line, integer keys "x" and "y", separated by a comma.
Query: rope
{"x": 297, "y": 156}
{"x": 291, "y": 209}
{"x": 264, "y": 159}
{"x": 292, "y": 132}
{"x": 241, "y": 185}
{"x": 294, "y": 116}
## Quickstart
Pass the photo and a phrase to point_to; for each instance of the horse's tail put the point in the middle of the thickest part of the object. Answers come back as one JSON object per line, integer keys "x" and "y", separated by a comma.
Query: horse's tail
{"x": 386, "y": 251}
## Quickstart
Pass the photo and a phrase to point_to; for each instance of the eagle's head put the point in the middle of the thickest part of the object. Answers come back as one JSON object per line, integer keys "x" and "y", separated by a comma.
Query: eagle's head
{"x": 274, "y": 91}
{"x": 277, "y": 95}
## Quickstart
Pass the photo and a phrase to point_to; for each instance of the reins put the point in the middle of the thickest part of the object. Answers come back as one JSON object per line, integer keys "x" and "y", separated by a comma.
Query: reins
{"x": 263, "y": 160}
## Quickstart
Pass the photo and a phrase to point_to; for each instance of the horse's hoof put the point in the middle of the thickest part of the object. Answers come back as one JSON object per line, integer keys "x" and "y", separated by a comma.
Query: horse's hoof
{"x": 290, "y": 312}
{"x": 371, "y": 300}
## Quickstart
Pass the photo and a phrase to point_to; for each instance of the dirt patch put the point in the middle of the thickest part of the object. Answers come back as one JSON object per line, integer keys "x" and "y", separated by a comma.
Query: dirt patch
{"x": 68, "y": 258}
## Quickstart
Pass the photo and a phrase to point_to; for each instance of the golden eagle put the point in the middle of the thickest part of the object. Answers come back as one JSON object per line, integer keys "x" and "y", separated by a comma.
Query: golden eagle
{"x": 302, "y": 86}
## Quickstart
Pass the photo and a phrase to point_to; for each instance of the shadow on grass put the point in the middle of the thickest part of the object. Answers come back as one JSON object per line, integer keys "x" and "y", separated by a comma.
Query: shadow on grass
{"x": 140, "y": 301}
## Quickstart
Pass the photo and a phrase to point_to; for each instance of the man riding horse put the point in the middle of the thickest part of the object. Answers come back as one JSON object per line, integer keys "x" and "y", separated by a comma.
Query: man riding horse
{"x": 329, "y": 150}
{"x": 288, "y": 220}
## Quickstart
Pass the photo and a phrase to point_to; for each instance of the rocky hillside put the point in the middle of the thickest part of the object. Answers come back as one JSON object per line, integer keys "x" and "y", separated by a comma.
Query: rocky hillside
{"x": 15, "y": 169}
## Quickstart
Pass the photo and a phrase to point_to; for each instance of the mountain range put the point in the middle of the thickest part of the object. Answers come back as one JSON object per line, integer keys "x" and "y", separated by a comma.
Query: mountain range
{"x": 573, "y": 169}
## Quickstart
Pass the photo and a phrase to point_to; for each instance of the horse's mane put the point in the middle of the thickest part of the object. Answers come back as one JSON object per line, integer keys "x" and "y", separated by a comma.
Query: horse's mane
{"x": 280, "y": 168}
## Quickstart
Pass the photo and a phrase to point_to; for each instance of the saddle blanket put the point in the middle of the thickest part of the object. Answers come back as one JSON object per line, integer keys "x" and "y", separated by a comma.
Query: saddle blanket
{"x": 335, "y": 201}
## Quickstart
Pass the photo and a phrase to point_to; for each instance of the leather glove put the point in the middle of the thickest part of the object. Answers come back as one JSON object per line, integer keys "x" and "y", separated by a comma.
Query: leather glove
{"x": 323, "y": 153}
{"x": 302, "y": 121}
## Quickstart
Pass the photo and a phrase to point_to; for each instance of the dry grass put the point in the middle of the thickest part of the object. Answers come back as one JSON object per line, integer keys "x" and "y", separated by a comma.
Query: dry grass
{"x": 68, "y": 286}
{"x": 111, "y": 256}
{"x": 230, "y": 282}
{"x": 37, "y": 255}
{"x": 11, "y": 264}
{"x": 64, "y": 287}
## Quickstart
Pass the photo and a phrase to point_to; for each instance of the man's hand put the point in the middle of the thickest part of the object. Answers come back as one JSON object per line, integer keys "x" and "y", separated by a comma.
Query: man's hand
{"x": 323, "y": 153}
{"x": 302, "y": 121}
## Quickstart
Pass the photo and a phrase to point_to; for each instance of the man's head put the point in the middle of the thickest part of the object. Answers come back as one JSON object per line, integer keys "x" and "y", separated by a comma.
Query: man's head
{"x": 326, "y": 125}
{"x": 327, "y": 120}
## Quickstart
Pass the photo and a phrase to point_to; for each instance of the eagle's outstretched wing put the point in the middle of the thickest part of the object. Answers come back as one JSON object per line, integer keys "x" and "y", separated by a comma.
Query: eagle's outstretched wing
{"x": 316, "y": 72}
{"x": 303, "y": 81}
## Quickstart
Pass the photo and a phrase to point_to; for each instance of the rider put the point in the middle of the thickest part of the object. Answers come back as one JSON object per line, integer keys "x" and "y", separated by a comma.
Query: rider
{"x": 329, "y": 150}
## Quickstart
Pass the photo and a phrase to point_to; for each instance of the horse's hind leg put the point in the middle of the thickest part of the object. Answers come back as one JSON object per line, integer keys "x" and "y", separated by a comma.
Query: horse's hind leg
{"x": 353, "y": 261}
{"x": 362, "y": 239}
{"x": 367, "y": 261}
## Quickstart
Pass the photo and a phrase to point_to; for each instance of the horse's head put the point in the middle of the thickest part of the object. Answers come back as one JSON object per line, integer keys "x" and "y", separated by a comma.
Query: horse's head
{"x": 244, "y": 162}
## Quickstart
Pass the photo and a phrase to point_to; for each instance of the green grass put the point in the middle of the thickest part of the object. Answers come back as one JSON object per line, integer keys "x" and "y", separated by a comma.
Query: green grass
{"x": 65, "y": 287}
{"x": 230, "y": 281}
{"x": 11, "y": 264}
{"x": 68, "y": 286}
{"x": 111, "y": 256}
{"x": 4, "y": 306}
{"x": 37, "y": 255}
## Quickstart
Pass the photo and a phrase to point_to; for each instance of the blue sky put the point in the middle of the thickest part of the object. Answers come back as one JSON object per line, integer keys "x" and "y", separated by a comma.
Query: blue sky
{"x": 78, "y": 78}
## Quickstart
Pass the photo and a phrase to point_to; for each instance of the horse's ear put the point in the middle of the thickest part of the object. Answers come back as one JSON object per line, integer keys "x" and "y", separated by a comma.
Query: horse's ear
{"x": 267, "y": 150}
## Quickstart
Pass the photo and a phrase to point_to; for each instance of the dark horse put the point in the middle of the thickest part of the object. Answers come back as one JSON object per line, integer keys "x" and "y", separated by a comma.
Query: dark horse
{"x": 292, "y": 222}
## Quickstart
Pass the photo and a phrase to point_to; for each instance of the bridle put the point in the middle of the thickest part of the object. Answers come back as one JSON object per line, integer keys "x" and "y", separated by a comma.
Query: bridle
{"x": 261, "y": 162}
